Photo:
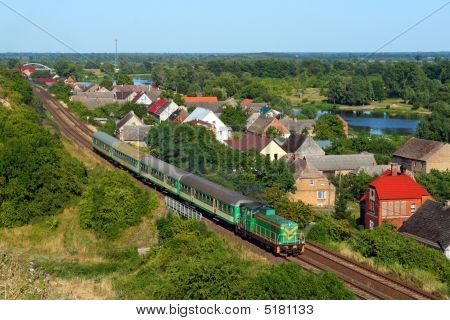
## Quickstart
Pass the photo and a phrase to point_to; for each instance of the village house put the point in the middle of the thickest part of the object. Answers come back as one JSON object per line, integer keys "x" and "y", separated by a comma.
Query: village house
{"x": 135, "y": 135}
{"x": 222, "y": 131}
{"x": 265, "y": 146}
{"x": 419, "y": 155}
{"x": 262, "y": 124}
{"x": 162, "y": 109}
{"x": 96, "y": 88}
{"x": 130, "y": 119}
{"x": 141, "y": 98}
{"x": 302, "y": 145}
{"x": 430, "y": 225}
{"x": 393, "y": 197}
{"x": 251, "y": 107}
{"x": 200, "y": 99}
{"x": 332, "y": 165}
{"x": 214, "y": 106}
{"x": 299, "y": 125}
{"x": 312, "y": 185}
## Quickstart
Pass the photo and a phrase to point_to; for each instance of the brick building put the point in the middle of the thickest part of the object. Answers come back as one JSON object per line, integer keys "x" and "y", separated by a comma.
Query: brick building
{"x": 393, "y": 197}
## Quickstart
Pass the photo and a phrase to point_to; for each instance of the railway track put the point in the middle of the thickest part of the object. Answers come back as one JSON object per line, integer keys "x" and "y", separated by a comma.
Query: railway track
{"x": 365, "y": 282}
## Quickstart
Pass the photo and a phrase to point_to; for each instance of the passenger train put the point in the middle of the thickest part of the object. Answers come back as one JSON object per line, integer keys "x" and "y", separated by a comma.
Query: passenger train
{"x": 250, "y": 219}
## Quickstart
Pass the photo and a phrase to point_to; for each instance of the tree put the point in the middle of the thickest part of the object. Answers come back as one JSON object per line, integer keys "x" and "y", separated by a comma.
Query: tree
{"x": 65, "y": 68}
{"x": 340, "y": 208}
{"x": 106, "y": 83}
{"x": 379, "y": 90}
{"x": 437, "y": 183}
{"x": 329, "y": 127}
{"x": 12, "y": 63}
{"x": 124, "y": 79}
{"x": 273, "y": 133}
{"x": 437, "y": 125}
{"x": 296, "y": 211}
{"x": 112, "y": 203}
{"x": 235, "y": 117}
{"x": 61, "y": 91}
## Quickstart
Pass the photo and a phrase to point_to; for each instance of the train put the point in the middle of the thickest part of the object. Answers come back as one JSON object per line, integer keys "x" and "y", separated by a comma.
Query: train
{"x": 252, "y": 220}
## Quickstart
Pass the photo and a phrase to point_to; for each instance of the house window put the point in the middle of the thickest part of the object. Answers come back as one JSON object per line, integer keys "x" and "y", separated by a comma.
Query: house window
{"x": 403, "y": 212}
{"x": 320, "y": 195}
{"x": 413, "y": 208}
{"x": 384, "y": 208}
{"x": 397, "y": 208}
{"x": 390, "y": 208}
{"x": 311, "y": 182}
{"x": 371, "y": 224}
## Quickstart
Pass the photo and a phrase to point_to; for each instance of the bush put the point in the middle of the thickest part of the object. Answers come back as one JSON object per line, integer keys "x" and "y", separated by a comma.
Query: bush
{"x": 37, "y": 177}
{"x": 388, "y": 247}
{"x": 112, "y": 203}
{"x": 327, "y": 229}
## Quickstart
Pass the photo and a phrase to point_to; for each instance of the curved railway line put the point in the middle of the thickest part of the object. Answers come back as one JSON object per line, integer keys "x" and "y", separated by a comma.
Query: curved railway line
{"x": 365, "y": 282}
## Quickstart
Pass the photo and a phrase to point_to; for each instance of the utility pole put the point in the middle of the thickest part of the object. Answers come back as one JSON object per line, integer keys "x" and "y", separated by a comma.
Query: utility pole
{"x": 116, "y": 67}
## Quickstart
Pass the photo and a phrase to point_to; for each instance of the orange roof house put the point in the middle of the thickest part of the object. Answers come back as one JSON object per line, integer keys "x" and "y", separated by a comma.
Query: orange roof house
{"x": 393, "y": 197}
{"x": 200, "y": 99}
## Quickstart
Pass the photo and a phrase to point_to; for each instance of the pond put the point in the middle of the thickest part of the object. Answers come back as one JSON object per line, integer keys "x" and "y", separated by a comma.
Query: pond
{"x": 376, "y": 122}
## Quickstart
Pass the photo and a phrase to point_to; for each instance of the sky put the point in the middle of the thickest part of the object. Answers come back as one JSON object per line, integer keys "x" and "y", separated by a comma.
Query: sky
{"x": 213, "y": 26}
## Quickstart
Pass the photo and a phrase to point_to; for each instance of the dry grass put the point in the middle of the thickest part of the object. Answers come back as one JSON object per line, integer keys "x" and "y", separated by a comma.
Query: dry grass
{"x": 310, "y": 94}
{"x": 81, "y": 289}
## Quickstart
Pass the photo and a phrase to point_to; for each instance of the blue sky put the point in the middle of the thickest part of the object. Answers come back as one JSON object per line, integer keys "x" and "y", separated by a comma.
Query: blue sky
{"x": 224, "y": 25}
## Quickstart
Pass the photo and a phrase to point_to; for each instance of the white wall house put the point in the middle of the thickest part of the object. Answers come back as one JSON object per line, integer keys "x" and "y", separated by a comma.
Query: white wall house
{"x": 222, "y": 131}
{"x": 141, "y": 98}
{"x": 168, "y": 110}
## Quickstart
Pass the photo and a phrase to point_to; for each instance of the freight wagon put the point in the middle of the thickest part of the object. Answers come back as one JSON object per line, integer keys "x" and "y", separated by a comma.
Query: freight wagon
{"x": 251, "y": 219}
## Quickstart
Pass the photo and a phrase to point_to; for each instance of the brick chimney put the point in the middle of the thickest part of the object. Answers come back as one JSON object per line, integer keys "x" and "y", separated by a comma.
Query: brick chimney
{"x": 394, "y": 170}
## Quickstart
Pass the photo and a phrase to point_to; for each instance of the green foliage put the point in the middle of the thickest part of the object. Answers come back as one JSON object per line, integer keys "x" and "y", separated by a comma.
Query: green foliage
{"x": 66, "y": 68}
{"x": 106, "y": 83}
{"x": 388, "y": 247}
{"x": 437, "y": 125}
{"x": 124, "y": 79}
{"x": 176, "y": 97}
{"x": 61, "y": 91}
{"x": 273, "y": 133}
{"x": 352, "y": 186}
{"x": 379, "y": 90}
{"x": 192, "y": 263}
{"x": 382, "y": 146}
{"x": 340, "y": 209}
{"x": 329, "y": 127}
{"x": 327, "y": 229}
{"x": 288, "y": 281}
{"x": 112, "y": 203}
{"x": 15, "y": 87}
{"x": 196, "y": 150}
{"x": 296, "y": 211}
{"x": 235, "y": 117}
{"x": 37, "y": 177}
{"x": 353, "y": 91}
{"x": 437, "y": 183}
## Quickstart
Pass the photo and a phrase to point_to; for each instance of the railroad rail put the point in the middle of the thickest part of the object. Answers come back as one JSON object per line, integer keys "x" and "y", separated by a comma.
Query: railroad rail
{"x": 363, "y": 281}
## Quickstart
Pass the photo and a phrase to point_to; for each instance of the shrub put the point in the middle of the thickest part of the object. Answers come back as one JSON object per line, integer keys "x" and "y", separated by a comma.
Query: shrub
{"x": 113, "y": 202}
{"x": 327, "y": 229}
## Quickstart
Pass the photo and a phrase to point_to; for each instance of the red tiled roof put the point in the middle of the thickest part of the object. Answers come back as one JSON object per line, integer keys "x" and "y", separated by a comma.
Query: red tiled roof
{"x": 245, "y": 101}
{"x": 200, "y": 99}
{"x": 156, "y": 105}
{"x": 248, "y": 142}
{"x": 45, "y": 80}
{"x": 397, "y": 187}
{"x": 31, "y": 69}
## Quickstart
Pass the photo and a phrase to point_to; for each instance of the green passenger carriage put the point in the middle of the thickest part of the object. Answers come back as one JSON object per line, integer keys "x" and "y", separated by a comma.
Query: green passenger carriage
{"x": 250, "y": 218}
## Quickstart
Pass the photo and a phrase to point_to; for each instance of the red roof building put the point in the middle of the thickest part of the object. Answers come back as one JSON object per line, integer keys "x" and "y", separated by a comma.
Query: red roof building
{"x": 47, "y": 81}
{"x": 393, "y": 197}
{"x": 200, "y": 99}
{"x": 155, "y": 106}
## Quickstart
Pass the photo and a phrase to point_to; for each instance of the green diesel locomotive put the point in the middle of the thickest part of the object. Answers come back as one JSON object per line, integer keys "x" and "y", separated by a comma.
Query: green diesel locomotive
{"x": 251, "y": 219}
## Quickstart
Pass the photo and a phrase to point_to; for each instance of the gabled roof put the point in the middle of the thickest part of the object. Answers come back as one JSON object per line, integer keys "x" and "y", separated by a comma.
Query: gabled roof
{"x": 155, "y": 106}
{"x": 135, "y": 133}
{"x": 302, "y": 169}
{"x": 137, "y": 97}
{"x": 341, "y": 162}
{"x": 248, "y": 142}
{"x": 261, "y": 124}
{"x": 400, "y": 186}
{"x": 418, "y": 149}
{"x": 214, "y": 106}
{"x": 200, "y": 99}
{"x": 298, "y": 125}
{"x": 125, "y": 119}
{"x": 303, "y": 145}
{"x": 431, "y": 222}
{"x": 204, "y": 114}
{"x": 245, "y": 101}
